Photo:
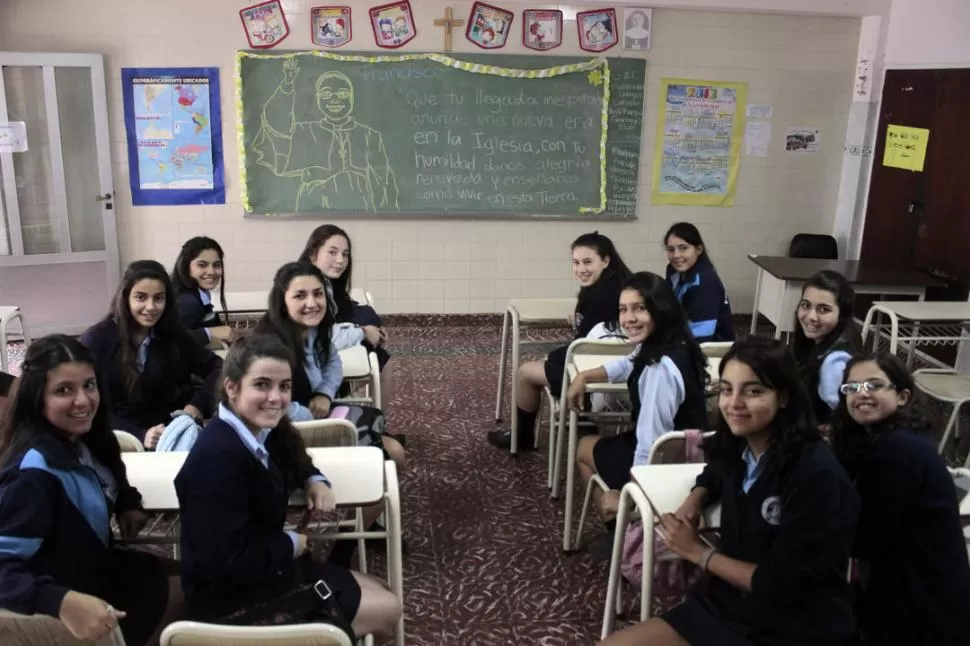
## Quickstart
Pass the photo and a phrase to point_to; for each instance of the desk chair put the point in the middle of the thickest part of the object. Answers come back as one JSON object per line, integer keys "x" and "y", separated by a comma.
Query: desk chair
{"x": 191, "y": 633}
{"x": 362, "y": 297}
{"x": 522, "y": 314}
{"x": 947, "y": 386}
{"x": 813, "y": 245}
{"x": 128, "y": 443}
{"x": 9, "y": 314}
{"x": 361, "y": 367}
{"x": 29, "y": 630}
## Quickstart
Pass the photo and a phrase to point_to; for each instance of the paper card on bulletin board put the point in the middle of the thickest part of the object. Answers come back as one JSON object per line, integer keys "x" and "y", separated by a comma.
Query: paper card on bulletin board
{"x": 906, "y": 147}
{"x": 701, "y": 132}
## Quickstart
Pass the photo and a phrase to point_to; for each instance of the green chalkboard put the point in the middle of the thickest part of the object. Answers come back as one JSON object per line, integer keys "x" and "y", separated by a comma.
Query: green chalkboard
{"x": 518, "y": 136}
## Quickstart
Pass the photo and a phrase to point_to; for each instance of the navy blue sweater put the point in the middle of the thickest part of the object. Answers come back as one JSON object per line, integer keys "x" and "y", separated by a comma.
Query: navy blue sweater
{"x": 797, "y": 527}
{"x": 195, "y": 315}
{"x": 166, "y": 383}
{"x": 911, "y": 544}
{"x": 702, "y": 295}
{"x": 234, "y": 550}
{"x": 54, "y": 527}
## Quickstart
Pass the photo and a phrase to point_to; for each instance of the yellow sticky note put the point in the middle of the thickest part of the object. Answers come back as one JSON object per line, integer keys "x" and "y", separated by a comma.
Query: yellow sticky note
{"x": 906, "y": 147}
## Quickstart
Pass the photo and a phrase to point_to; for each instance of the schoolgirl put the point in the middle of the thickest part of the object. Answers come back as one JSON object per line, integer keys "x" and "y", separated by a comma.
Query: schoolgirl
{"x": 788, "y": 516}
{"x": 239, "y": 566}
{"x": 61, "y": 481}
{"x": 153, "y": 368}
{"x": 825, "y": 338}
{"x": 914, "y": 574}
{"x": 600, "y": 271}
{"x": 697, "y": 285}
{"x": 665, "y": 376}
{"x": 199, "y": 270}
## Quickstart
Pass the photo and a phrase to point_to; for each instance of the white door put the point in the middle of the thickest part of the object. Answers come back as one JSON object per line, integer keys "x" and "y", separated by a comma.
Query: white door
{"x": 58, "y": 236}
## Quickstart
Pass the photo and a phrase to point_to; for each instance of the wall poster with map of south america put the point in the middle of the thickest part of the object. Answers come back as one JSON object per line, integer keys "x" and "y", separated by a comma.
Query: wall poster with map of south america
{"x": 173, "y": 124}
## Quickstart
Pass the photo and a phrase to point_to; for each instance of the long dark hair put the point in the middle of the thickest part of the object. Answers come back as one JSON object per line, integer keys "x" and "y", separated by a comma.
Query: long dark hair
{"x": 810, "y": 354}
{"x": 26, "y": 419}
{"x": 340, "y": 286}
{"x": 671, "y": 328}
{"x": 164, "y": 332}
{"x": 793, "y": 428}
{"x": 850, "y": 439}
{"x": 277, "y": 318}
{"x": 240, "y": 358}
{"x": 616, "y": 270}
{"x": 689, "y": 234}
{"x": 182, "y": 274}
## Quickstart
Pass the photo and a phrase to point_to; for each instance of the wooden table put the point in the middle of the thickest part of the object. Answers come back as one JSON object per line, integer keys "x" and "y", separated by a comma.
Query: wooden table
{"x": 780, "y": 281}
{"x": 359, "y": 475}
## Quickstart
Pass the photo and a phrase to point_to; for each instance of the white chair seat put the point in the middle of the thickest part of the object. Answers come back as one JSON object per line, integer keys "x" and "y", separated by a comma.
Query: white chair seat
{"x": 356, "y": 365}
{"x": 532, "y": 310}
{"x": 191, "y": 633}
{"x": 946, "y": 386}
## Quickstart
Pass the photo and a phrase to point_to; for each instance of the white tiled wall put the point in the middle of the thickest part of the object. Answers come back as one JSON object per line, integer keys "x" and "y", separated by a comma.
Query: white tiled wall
{"x": 801, "y": 65}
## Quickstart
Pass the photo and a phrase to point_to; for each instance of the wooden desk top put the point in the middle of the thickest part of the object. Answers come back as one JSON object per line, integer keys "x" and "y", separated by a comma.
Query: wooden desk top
{"x": 856, "y": 271}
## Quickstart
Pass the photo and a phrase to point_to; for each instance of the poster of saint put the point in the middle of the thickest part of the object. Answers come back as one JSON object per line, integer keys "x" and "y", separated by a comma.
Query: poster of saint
{"x": 637, "y": 22}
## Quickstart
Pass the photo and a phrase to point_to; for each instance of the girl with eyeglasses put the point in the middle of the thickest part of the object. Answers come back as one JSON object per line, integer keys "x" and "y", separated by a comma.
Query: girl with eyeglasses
{"x": 825, "y": 338}
{"x": 910, "y": 548}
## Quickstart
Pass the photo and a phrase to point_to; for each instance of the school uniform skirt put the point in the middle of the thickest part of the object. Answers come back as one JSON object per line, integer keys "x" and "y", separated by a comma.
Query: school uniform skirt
{"x": 701, "y": 623}
{"x": 136, "y": 583}
{"x": 613, "y": 458}
{"x": 554, "y": 367}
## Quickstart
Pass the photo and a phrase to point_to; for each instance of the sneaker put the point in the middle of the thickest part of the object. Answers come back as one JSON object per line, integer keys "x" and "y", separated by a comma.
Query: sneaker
{"x": 503, "y": 440}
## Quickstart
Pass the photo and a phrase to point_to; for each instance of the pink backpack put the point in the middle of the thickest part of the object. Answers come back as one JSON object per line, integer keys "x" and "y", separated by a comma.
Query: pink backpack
{"x": 671, "y": 577}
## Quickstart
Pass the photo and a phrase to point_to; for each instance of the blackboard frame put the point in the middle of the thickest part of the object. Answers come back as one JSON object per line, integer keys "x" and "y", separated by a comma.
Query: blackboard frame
{"x": 633, "y": 76}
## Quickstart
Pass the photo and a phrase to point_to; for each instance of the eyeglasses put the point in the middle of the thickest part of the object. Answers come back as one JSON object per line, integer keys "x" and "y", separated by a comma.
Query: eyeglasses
{"x": 853, "y": 387}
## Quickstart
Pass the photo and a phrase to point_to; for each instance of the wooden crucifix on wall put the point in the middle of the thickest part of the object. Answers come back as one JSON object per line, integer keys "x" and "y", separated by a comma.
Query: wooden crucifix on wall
{"x": 448, "y": 22}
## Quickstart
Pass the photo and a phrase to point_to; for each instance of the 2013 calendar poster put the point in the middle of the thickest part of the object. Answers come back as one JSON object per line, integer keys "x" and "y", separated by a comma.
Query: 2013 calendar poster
{"x": 701, "y": 130}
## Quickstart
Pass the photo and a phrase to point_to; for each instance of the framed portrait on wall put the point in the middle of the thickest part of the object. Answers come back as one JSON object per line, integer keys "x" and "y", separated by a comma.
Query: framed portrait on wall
{"x": 542, "y": 29}
{"x": 597, "y": 29}
{"x": 393, "y": 24}
{"x": 637, "y": 23}
{"x": 330, "y": 26}
{"x": 265, "y": 24}
{"x": 488, "y": 26}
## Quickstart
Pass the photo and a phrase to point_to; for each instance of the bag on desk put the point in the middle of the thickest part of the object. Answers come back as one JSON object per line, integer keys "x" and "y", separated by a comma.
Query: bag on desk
{"x": 672, "y": 576}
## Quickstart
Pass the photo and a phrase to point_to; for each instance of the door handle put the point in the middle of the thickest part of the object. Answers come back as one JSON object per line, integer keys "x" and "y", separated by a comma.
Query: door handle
{"x": 915, "y": 207}
{"x": 103, "y": 198}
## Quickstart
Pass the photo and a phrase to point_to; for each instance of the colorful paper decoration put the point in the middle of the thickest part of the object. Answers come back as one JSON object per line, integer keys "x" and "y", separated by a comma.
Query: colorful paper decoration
{"x": 393, "y": 24}
{"x": 330, "y": 26}
{"x": 488, "y": 26}
{"x": 597, "y": 29}
{"x": 265, "y": 24}
{"x": 542, "y": 29}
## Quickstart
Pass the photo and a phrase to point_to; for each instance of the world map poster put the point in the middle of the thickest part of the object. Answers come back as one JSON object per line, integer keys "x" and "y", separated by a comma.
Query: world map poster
{"x": 174, "y": 129}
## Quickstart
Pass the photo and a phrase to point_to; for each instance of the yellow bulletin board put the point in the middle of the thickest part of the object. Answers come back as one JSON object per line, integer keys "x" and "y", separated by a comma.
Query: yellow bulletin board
{"x": 906, "y": 147}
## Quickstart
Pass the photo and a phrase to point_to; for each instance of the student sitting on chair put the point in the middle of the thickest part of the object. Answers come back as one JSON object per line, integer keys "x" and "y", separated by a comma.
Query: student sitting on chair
{"x": 826, "y": 337}
{"x": 238, "y": 564}
{"x": 148, "y": 359}
{"x": 788, "y": 517}
{"x": 61, "y": 481}
{"x": 299, "y": 316}
{"x": 665, "y": 376}
{"x": 911, "y": 552}
{"x": 697, "y": 285}
{"x": 600, "y": 272}
{"x": 198, "y": 271}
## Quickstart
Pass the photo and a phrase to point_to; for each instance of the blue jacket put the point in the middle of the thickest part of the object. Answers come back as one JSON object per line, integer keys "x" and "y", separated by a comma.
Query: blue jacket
{"x": 195, "y": 315}
{"x": 54, "y": 527}
{"x": 234, "y": 549}
{"x": 701, "y": 293}
{"x": 163, "y": 392}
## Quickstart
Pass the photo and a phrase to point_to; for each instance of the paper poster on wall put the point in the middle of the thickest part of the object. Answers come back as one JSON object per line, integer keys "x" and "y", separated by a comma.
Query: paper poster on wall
{"x": 542, "y": 29}
{"x": 13, "y": 137}
{"x": 173, "y": 124}
{"x": 759, "y": 111}
{"x": 802, "y": 140}
{"x": 330, "y": 26}
{"x": 757, "y": 138}
{"x": 637, "y": 22}
{"x": 701, "y": 131}
{"x": 906, "y": 147}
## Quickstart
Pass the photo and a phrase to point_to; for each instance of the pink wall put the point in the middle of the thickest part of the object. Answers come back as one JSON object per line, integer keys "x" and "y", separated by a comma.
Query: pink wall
{"x": 58, "y": 306}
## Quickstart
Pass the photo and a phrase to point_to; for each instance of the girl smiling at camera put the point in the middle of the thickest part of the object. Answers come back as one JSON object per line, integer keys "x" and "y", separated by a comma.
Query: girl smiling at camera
{"x": 239, "y": 566}
{"x": 665, "y": 376}
{"x": 788, "y": 515}
{"x": 148, "y": 359}
{"x": 600, "y": 271}
{"x": 826, "y": 336}
{"x": 199, "y": 270}
{"x": 62, "y": 480}
{"x": 910, "y": 547}
{"x": 697, "y": 285}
